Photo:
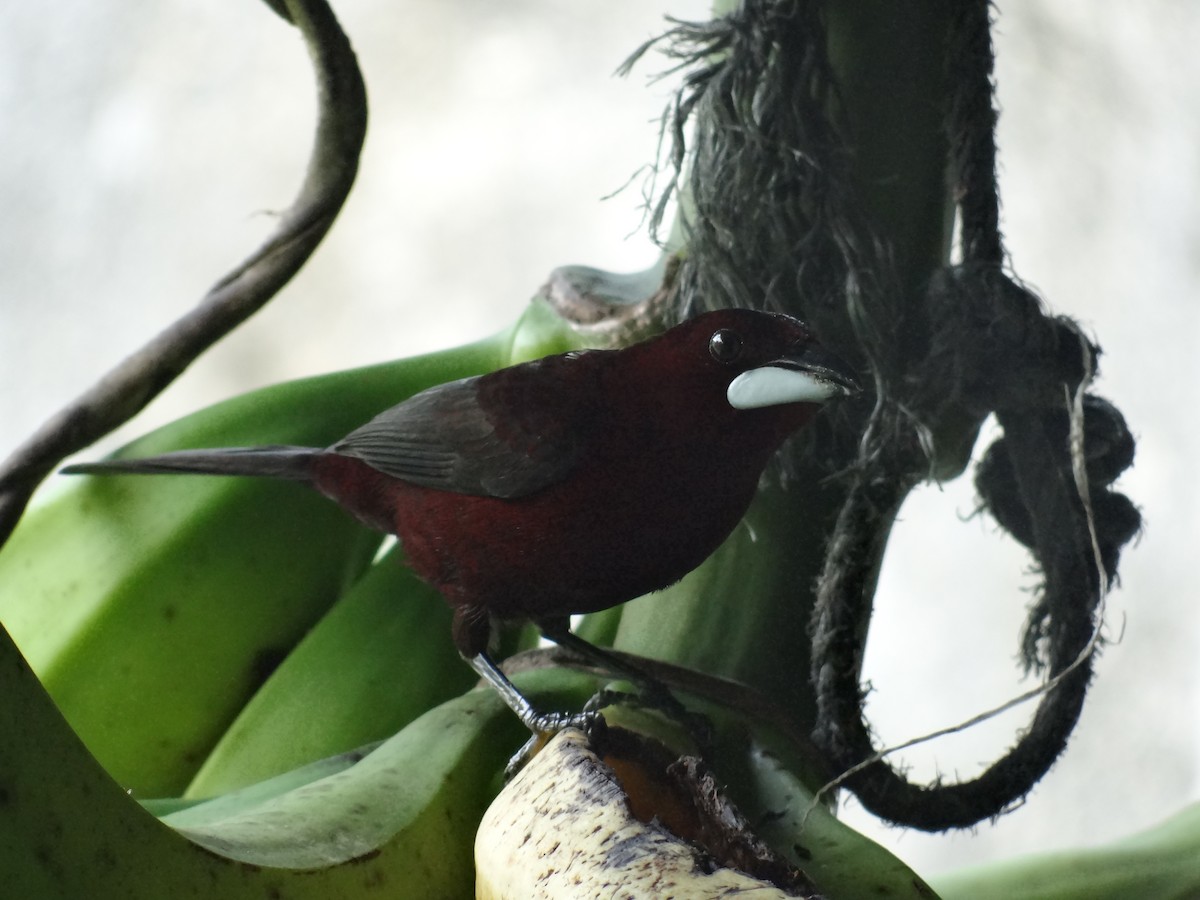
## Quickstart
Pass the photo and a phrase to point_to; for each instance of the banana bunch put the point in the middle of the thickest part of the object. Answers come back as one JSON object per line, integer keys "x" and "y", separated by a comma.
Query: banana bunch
{"x": 239, "y": 693}
{"x": 234, "y": 686}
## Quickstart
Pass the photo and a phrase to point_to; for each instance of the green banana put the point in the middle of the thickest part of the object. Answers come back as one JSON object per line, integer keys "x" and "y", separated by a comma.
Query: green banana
{"x": 203, "y": 811}
{"x": 166, "y": 624}
{"x": 377, "y": 660}
{"x": 403, "y": 817}
{"x": 1157, "y": 864}
{"x": 152, "y": 608}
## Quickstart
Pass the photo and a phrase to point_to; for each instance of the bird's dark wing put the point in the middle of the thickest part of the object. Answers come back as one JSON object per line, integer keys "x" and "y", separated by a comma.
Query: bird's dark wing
{"x": 507, "y": 434}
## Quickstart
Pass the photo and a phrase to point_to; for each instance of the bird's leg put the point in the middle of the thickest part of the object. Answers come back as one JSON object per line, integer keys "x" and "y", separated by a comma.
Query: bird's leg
{"x": 473, "y": 629}
{"x": 655, "y": 694}
{"x": 542, "y": 724}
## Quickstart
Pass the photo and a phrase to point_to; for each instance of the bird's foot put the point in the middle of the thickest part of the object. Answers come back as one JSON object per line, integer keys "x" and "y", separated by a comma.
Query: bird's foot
{"x": 546, "y": 725}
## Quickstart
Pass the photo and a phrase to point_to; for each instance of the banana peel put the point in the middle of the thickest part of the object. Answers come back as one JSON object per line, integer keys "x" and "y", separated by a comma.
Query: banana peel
{"x": 565, "y": 828}
{"x": 588, "y": 819}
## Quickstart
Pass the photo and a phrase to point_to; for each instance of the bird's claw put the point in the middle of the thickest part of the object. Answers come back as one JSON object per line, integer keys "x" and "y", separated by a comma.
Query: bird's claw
{"x": 551, "y": 723}
{"x": 546, "y": 725}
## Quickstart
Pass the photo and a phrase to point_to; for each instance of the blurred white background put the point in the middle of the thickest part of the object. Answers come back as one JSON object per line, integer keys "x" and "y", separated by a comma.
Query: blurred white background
{"x": 144, "y": 146}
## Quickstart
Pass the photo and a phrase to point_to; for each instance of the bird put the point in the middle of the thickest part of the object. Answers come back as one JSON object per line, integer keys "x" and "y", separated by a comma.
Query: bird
{"x": 567, "y": 484}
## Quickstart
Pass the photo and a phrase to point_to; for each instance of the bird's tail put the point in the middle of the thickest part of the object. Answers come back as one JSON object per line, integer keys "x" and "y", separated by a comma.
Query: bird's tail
{"x": 293, "y": 463}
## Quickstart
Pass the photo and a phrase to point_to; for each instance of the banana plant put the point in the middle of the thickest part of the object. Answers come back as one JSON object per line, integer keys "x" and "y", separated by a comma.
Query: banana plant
{"x": 365, "y": 760}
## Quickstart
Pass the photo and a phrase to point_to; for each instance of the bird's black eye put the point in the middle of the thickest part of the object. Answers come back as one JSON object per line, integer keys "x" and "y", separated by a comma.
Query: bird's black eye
{"x": 725, "y": 345}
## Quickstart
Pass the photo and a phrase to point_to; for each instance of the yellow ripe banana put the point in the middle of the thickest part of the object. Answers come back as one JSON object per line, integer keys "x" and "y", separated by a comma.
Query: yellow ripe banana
{"x": 575, "y": 825}
{"x": 377, "y": 660}
{"x": 772, "y": 777}
{"x": 566, "y": 827}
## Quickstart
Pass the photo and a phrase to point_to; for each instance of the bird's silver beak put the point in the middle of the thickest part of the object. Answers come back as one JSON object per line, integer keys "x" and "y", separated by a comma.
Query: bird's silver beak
{"x": 810, "y": 375}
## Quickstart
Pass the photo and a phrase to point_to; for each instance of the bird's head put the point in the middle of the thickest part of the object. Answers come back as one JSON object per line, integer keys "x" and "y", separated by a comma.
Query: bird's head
{"x": 757, "y": 359}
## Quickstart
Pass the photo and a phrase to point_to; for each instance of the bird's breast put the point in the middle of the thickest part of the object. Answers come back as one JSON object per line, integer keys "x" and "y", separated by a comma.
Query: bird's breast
{"x": 609, "y": 533}
{"x": 622, "y": 524}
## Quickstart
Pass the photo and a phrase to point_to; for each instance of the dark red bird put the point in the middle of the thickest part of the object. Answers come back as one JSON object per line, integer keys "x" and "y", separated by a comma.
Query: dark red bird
{"x": 568, "y": 484}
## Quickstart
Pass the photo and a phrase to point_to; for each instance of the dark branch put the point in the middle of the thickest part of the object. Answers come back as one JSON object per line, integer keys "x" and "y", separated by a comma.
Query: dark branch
{"x": 126, "y": 389}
